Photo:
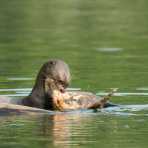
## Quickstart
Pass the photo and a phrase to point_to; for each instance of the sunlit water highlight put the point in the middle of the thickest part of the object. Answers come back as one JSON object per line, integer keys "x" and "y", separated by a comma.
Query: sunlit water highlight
{"x": 110, "y": 50}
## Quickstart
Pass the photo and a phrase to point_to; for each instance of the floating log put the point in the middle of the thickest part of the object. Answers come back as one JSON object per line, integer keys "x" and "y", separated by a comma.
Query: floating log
{"x": 7, "y": 108}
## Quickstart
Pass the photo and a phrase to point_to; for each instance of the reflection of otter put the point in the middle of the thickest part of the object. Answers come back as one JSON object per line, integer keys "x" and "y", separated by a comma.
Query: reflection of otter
{"x": 49, "y": 91}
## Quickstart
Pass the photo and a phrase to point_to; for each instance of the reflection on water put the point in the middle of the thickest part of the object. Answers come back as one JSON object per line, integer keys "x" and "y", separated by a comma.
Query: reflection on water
{"x": 105, "y": 44}
{"x": 79, "y": 129}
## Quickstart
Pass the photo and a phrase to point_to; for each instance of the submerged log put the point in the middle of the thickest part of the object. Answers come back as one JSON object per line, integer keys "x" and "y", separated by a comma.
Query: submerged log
{"x": 7, "y": 108}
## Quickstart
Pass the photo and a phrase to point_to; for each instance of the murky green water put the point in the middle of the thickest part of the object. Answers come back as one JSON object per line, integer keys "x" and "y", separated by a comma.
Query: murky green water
{"x": 105, "y": 44}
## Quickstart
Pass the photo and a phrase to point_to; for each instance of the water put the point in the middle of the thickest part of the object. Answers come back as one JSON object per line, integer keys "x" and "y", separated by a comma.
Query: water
{"x": 105, "y": 44}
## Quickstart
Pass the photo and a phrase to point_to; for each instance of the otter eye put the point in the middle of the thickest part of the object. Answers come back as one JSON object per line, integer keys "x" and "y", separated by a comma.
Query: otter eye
{"x": 62, "y": 83}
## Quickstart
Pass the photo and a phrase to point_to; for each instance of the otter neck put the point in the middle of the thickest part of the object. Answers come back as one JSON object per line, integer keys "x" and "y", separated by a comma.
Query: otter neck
{"x": 39, "y": 87}
{"x": 39, "y": 96}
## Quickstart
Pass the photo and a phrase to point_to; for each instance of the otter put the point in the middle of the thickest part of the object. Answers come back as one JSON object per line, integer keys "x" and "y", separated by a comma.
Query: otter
{"x": 49, "y": 91}
{"x": 41, "y": 94}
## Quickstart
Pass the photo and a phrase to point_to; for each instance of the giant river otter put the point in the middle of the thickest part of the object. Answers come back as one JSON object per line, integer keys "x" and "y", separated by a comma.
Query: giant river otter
{"x": 49, "y": 91}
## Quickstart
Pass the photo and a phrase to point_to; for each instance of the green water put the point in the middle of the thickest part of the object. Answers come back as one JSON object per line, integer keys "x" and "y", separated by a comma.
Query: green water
{"x": 105, "y": 44}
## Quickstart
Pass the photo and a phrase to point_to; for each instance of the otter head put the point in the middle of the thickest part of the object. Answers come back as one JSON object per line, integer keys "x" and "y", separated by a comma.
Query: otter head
{"x": 56, "y": 74}
{"x": 52, "y": 79}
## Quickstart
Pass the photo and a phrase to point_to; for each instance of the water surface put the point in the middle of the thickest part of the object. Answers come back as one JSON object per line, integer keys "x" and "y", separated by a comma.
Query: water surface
{"x": 105, "y": 44}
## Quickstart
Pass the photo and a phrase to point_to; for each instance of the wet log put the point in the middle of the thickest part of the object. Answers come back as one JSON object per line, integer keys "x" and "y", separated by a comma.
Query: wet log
{"x": 6, "y": 108}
